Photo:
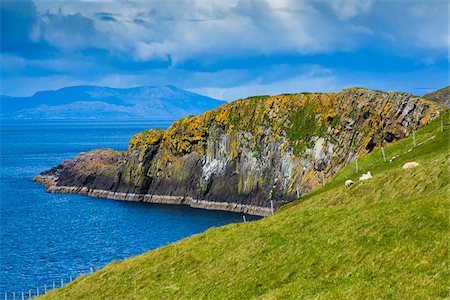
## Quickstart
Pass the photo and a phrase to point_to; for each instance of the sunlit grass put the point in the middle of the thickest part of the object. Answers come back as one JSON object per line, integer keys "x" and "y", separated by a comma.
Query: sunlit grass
{"x": 386, "y": 237}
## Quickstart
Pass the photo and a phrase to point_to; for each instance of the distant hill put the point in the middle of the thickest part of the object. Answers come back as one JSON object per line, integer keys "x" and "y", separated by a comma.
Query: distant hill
{"x": 442, "y": 96}
{"x": 95, "y": 102}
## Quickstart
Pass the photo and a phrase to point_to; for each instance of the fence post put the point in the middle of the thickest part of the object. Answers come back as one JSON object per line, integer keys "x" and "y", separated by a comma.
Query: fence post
{"x": 6, "y": 296}
{"x": 54, "y": 285}
{"x": 92, "y": 270}
{"x": 243, "y": 217}
{"x": 14, "y": 295}
{"x": 271, "y": 206}
{"x": 414, "y": 138}
{"x": 23, "y": 296}
{"x": 62, "y": 282}
{"x": 45, "y": 288}
{"x": 29, "y": 294}
{"x": 323, "y": 179}
{"x": 70, "y": 278}
{"x": 384, "y": 155}
{"x": 37, "y": 291}
{"x": 356, "y": 165}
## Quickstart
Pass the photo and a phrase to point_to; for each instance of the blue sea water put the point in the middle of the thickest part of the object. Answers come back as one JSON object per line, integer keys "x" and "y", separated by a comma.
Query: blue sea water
{"x": 48, "y": 237}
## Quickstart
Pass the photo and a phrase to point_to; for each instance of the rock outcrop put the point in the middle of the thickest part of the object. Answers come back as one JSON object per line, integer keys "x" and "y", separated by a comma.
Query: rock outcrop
{"x": 248, "y": 155}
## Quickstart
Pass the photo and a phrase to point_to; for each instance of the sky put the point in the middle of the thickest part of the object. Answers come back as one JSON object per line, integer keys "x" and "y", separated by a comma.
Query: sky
{"x": 226, "y": 49}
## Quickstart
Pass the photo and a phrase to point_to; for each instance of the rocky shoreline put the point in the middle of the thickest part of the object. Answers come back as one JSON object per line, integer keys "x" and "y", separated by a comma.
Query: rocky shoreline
{"x": 250, "y": 156}
{"x": 50, "y": 183}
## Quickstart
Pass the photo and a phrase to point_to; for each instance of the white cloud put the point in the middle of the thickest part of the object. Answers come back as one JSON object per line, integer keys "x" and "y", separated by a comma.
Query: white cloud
{"x": 302, "y": 79}
{"x": 347, "y": 9}
{"x": 212, "y": 33}
{"x": 303, "y": 83}
{"x": 151, "y": 51}
{"x": 183, "y": 30}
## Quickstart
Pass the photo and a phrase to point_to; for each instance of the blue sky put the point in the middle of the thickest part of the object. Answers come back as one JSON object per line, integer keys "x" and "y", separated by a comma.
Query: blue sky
{"x": 225, "y": 49}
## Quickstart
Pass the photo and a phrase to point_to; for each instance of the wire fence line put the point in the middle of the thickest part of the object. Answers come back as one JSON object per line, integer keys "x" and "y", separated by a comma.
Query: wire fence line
{"x": 42, "y": 289}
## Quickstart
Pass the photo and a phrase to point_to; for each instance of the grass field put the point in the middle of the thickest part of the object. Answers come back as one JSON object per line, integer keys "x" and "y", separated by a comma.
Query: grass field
{"x": 387, "y": 237}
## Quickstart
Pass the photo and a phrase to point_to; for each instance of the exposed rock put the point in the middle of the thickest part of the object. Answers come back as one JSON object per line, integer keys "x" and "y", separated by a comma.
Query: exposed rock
{"x": 250, "y": 152}
{"x": 410, "y": 165}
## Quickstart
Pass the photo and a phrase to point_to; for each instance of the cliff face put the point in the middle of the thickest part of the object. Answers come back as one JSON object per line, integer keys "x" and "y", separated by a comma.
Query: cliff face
{"x": 243, "y": 155}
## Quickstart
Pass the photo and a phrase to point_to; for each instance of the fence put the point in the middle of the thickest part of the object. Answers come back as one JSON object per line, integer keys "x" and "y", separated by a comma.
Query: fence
{"x": 42, "y": 289}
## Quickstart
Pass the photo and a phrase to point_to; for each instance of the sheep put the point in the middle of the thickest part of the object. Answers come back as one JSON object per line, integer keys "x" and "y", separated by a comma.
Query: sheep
{"x": 410, "y": 165}
{"x": 349, "y": 182}
{"x": 365, "y": 176}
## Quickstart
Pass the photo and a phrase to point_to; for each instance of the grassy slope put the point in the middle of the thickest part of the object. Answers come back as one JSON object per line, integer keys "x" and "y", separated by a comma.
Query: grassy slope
{"x": 382, "y": 238}
{"x": 442, "y": 95}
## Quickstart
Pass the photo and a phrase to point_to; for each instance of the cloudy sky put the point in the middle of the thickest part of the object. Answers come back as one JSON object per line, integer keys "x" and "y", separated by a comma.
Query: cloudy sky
{"x": 226, "y": 49}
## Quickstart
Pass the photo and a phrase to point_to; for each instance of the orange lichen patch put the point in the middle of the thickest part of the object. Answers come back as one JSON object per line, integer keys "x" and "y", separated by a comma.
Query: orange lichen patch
{"x": 296, "y": 117}
{"x": 387, "y": 110}
{"x": 432, "y": 111}
{"x": 310, "y": 180}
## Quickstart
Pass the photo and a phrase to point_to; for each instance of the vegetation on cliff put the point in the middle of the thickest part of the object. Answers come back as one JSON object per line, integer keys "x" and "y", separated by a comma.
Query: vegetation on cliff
{"x": 316, "y": 132}
{"x": 258, "y": 152}
{"x": 382, "y": 238}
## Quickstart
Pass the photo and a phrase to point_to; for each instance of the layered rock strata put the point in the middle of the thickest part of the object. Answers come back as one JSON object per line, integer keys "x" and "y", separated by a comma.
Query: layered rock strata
{"x": 249, "y": 155}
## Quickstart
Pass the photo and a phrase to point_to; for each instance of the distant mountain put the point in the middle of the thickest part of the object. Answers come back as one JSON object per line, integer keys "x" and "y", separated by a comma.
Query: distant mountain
{"x": 442, "y": 96}
{"x": 95, "y": 102}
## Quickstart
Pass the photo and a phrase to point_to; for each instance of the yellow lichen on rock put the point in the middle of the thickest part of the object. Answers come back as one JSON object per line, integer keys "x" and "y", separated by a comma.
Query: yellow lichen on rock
{"x": 145, "y": 138}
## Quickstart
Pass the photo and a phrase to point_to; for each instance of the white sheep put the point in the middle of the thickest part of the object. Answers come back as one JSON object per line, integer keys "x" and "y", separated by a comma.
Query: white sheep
{"x": 349, "y": 182}
{"x": 410, "y": 165}
{"x": 365, "y": 176}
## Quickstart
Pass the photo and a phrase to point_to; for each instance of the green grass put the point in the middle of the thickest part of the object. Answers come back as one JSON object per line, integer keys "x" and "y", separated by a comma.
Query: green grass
{"x": 387, "y": 237}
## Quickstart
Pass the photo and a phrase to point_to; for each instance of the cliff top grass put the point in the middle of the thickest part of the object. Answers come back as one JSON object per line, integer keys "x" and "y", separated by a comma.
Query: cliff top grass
{"x": 386, "y": 237}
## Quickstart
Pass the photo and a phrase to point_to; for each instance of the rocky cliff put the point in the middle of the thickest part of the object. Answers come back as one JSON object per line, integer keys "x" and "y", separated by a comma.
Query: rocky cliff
{"x": 246, "y": 155}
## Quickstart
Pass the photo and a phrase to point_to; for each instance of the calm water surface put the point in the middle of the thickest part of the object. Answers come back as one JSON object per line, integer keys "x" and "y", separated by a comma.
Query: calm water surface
{"x": 45, "y": 237}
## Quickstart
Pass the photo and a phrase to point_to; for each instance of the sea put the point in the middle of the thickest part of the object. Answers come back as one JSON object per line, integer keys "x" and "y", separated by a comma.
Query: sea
{"x": 48, "y": 239}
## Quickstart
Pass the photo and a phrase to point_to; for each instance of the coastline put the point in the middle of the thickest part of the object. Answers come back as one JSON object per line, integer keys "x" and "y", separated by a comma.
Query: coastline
{"x": 50, "y": 183}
